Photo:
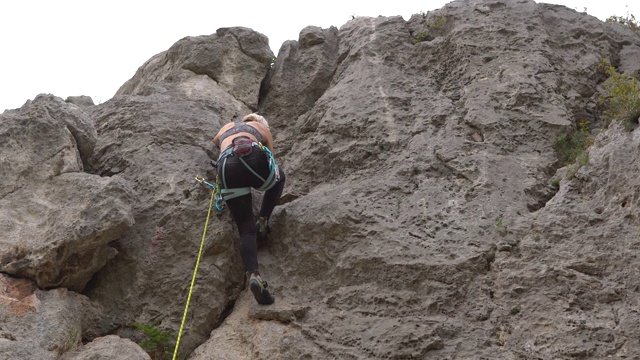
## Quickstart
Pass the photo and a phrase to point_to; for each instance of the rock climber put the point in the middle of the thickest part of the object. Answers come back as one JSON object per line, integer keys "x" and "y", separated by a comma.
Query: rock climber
{"x": 246, "y": 161}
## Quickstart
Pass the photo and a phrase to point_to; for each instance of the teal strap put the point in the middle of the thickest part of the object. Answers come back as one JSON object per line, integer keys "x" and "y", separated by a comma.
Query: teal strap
{"x": 224, "y": 165}
{"x": 252, "y": 171}
{"x": 274, "y": 172}
{"x": 228, "y": 194}
{"x": 274, "y": 177}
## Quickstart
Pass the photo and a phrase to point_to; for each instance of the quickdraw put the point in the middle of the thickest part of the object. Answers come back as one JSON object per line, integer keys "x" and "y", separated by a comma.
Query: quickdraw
{"x": 216, "y": 191}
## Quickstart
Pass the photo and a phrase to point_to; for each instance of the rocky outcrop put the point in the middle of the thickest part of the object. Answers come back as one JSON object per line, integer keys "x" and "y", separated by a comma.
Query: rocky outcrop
{"x": 81, "y": 101}
{"x": 56, "y": 220}
{"x": 107, "y": 348}
{"x": 425, "y": 213}
{"x": 38, "y": 324}
{"x": 301, "y": 74}
{"x": 232, "y": 61}
{"x": 570, "y": 270}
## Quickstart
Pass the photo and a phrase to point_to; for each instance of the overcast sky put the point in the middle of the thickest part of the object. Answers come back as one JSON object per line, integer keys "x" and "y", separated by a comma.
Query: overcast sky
{"x": 85, "y": 47}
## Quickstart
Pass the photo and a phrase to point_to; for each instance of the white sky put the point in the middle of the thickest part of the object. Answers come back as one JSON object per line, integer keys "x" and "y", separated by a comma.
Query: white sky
{"x": 86, "y": 47}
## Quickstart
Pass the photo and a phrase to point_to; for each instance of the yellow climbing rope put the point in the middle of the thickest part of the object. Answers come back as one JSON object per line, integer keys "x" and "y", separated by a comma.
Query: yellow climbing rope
{"x": 193, "y": 279}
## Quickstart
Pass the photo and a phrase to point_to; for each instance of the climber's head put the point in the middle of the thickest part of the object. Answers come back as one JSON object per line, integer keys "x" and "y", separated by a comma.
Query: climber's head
{"x": 257, "y": 118}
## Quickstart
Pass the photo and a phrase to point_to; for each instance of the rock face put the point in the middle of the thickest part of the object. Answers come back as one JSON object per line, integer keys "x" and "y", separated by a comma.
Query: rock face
{"x": 419, "y": 180}
{"x": 81, "y": 101}
{"x": 107, "y": 348}
{"x": 56, "y": 220}
{"x": 425, "y": 213}
{"x": 232, "y": 61}
{"x": 38, "y": 324}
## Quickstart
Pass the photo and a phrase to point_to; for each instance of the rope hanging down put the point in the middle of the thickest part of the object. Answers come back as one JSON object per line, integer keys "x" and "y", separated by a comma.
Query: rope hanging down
{"x": 195, "y": 271}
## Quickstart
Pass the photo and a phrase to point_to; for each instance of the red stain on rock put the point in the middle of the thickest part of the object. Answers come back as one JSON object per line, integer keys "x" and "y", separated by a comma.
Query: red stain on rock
{"x": 18, "y": 295}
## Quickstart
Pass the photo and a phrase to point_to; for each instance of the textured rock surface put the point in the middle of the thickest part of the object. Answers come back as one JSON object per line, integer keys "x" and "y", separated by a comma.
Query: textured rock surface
{"x": 38, "y": 324}
{"x": 416, "y": 177}
{"x": 108, "y": 348}
{"x": 298, "y": 80}
{"x": 232, "y": 61}
{"x": 81, "y": 101}
{"x": 421, "y": 216}
{"x": 260, "y": 332}
{"x": 56, "y": 221}
{"x": 572, "y": 271}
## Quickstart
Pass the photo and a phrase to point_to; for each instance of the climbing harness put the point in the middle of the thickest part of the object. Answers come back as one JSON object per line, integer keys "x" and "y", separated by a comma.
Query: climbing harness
{"x": 239, "y": 150}
{"x": 222, "y": 193}
{"x": 195, "y": 271}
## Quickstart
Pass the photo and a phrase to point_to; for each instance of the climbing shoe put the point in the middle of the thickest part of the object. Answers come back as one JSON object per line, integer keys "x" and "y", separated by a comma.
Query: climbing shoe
{"x": 260, "y": 292}
{"x": 262, "y": 227}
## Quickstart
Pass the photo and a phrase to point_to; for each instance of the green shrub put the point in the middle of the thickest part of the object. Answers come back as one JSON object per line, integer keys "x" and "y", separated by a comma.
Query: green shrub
{"x": 572, "y": 149}
{"x": 571, "y": 146}
{"x": 628, "y": 21}
{"x": 621, "y": 99}
{"x": 432, "y": 28}
{"x": 156, "y": 342}
{"x": 73, "y": 338}
{"x": 582, "y": 160}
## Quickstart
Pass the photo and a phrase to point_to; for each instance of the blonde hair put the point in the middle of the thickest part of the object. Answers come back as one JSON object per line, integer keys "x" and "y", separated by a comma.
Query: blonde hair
{"x": 257, "y": 118}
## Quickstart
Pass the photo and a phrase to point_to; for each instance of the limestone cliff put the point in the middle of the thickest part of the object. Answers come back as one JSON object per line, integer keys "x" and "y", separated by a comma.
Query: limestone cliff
{"x": 425, "y": 215}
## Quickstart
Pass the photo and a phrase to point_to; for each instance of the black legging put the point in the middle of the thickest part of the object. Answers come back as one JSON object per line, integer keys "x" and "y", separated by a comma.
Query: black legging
{"x": 236, "y": 175}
